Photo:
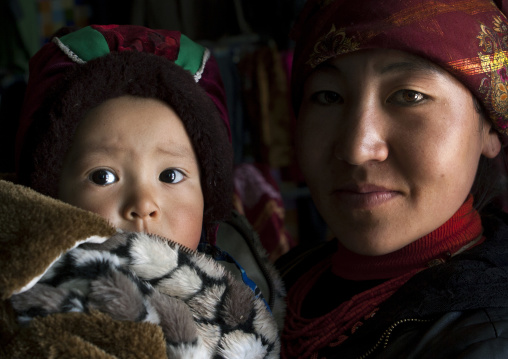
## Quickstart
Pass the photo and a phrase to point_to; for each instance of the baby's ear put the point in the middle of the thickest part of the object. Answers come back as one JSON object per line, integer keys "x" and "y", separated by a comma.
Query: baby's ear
{"x": 491, "y": 141}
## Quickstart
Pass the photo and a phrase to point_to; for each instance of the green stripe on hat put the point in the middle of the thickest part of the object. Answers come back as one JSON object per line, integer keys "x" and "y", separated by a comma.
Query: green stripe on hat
{"x": 190, "y": 55}
{"x": 86, "y": 43}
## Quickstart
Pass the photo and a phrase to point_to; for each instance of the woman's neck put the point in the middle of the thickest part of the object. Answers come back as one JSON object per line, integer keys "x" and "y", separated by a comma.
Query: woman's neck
{"x": 461, "y": 231}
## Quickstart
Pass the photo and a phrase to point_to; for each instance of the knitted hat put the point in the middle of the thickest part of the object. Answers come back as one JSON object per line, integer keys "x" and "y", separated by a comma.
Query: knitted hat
{"x": 466, "y": 38}
{"x": 82, "y": 69}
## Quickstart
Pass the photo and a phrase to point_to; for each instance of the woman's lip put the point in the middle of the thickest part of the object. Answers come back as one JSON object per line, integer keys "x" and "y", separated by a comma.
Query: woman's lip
{"x": 364, "y": 188}
{"x": 365, "y": 196}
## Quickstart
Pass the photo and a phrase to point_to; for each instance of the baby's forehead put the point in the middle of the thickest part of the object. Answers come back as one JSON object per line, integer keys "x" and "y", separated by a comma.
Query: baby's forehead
{"x": 132, "y": 125}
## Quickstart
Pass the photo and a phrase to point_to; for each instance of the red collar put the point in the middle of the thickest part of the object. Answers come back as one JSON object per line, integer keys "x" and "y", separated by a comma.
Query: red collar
{"x": 459, "y": 232}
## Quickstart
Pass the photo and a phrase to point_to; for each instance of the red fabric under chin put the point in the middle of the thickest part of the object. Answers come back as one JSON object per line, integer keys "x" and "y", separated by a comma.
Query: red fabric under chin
{"x": 303, "y": 336}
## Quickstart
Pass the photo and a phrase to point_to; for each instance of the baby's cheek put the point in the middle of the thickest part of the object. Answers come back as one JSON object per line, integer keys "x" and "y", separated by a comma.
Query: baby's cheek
{"x": 104, "y": 209}
{"x": 189, "y": 226}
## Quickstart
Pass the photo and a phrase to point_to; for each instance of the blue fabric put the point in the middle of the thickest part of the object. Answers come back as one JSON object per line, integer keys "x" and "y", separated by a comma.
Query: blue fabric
{"x": 220, "y": 255}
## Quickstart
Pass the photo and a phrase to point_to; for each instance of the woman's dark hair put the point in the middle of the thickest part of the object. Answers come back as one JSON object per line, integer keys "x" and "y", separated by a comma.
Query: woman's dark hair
{"x": 491, "y": 181}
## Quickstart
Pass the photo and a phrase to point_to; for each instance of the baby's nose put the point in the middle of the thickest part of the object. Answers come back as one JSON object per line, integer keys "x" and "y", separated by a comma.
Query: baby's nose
{"x": 142, "y": 205}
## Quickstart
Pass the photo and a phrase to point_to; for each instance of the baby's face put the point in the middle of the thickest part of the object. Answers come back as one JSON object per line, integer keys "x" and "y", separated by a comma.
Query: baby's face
{"x": 133, "y": 163}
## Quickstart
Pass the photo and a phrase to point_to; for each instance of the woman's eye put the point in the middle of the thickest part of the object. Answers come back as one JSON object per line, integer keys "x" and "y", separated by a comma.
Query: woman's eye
{"x": 327, "y": 97}
{"x": 407, "y": 97}
{"x": 171, "y": 176}
{"x": 102, "y": 177}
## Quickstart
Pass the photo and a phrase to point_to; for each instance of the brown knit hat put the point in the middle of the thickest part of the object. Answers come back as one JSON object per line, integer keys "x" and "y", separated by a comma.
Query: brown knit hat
{"x": 82, "y": 69}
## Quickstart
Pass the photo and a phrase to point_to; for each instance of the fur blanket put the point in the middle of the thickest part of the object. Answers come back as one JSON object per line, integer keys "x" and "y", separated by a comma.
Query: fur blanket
{"x": 72, "y": 286}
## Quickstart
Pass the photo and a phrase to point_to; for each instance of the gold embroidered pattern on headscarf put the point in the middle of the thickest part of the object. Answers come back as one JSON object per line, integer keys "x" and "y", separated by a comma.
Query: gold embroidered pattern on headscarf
{"x": 334, "y": 43}
{"x": 499, "y": 25}
{"x": 430, "y": 9}
{"x": 471, "y": 66}
{"x": 494, "y": 63}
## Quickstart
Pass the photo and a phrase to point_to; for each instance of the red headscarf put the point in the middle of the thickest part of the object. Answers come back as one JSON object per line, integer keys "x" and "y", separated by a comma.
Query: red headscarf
{"x": 469, "y": 38}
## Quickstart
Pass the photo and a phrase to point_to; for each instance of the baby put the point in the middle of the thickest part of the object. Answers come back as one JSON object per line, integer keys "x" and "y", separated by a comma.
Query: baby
{"x": 130, "y": 123}
{"x": 133, "y": 163}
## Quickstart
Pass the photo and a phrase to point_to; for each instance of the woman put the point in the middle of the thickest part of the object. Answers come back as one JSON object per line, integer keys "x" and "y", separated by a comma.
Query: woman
{"x": 402, "y": 112}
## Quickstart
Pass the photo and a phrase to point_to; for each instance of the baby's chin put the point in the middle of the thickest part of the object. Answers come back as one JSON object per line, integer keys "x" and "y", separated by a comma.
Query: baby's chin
{"x": 189, "y": 239}
{"x": 192, "y": 244}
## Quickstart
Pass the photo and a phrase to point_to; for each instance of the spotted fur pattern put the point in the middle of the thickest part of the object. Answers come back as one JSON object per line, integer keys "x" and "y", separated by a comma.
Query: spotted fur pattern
{"x": 203, "y": 311}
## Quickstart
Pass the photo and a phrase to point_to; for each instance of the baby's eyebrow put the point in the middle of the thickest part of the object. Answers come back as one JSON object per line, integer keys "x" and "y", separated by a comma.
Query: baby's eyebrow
{"x": 102, "y": 149}
{"x": 178, "y": 151}
{"x": 174, "y": 150}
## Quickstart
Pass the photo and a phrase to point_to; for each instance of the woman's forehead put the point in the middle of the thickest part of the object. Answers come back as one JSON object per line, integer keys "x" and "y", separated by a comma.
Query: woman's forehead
{"x": 382, "y": 61}
{"x": 464, "y": 37}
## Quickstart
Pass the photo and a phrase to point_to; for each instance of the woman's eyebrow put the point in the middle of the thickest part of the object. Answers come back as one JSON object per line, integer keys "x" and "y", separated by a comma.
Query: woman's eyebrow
{"x": 326, "y": 67}
{"x": 413, "y": 65}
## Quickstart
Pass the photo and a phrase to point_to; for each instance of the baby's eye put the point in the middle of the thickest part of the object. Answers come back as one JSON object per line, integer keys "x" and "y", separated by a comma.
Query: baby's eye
{"x": 407, "y": 97}
{"x": 171, "y": 175}
{"x": 327, "y": 97}
{"x": 102, "y": 177}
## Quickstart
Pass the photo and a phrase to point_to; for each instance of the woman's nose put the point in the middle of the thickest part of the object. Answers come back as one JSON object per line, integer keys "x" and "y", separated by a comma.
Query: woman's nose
{"x": 363, "y": 136}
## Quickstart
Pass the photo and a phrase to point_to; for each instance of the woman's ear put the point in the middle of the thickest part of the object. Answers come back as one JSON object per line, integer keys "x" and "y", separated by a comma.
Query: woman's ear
{"x": 491, "y": 141}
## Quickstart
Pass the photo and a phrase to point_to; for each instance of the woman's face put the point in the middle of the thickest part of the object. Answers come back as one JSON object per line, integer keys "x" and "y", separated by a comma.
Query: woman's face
{"x": 389, "y": 145}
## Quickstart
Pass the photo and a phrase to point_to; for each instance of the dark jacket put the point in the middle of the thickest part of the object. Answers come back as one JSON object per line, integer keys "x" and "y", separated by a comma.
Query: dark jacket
{"x": 458, "y": 309}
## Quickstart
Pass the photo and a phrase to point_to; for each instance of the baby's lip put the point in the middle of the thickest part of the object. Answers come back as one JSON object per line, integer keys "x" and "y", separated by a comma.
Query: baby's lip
{"x": 136, "y": 225}
{"x": 140, "y": 226}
